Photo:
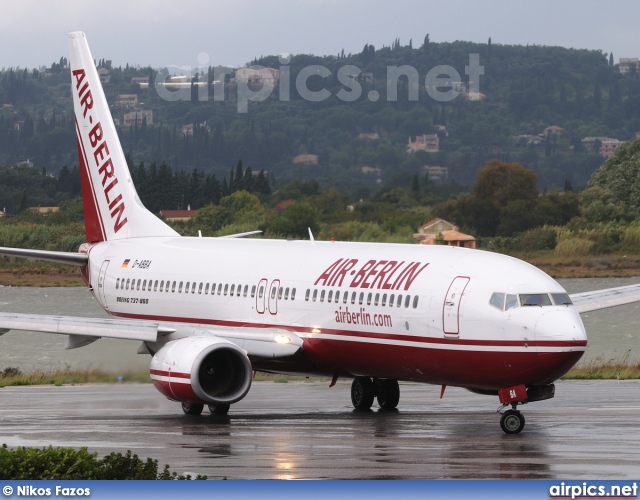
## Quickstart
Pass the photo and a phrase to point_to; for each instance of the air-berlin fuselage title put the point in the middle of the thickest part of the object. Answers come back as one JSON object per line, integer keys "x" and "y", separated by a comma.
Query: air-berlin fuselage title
{"x": 100, "y": 153}
{"x": 373, "y": 274}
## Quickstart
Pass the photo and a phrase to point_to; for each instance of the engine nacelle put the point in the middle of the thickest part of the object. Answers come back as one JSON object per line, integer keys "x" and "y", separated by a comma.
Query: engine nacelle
{"x": 206, "y": 370}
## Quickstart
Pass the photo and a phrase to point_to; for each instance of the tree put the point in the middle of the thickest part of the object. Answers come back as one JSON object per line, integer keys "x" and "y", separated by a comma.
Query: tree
{"x": 294, "y": 221}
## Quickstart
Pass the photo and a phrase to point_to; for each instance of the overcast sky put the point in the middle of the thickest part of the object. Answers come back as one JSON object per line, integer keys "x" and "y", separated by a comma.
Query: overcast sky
{"x": 233, "y": 32}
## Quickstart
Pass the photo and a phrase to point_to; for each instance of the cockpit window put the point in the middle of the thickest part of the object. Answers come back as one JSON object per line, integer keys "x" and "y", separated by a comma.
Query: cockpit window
{"x": 535, "y": 299}
{"x": 497, "y": 300}
{"x": 561, "y": 299}
{"x": 512, "y": 301}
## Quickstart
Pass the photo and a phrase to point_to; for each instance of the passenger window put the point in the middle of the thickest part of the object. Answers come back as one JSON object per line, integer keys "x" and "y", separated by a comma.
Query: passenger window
{"x": 376, "y": 299}
{"x": 391, "y": 299}
{"x": 315, "y": 295}
{"x": 497, "y": 300}
{"x": 144, "y": 285}
{"x": 238, "y": 290}
{"x": 226, "y": 289}
{"x": 399, "y": 301}
{"x": 330, "y": 296}
{"x": 293, "y": 294}
{"x": 345, "y": 297}
{"x": 117, "y": 283}
{"x": 186, "y": 288}
{"x": 246, "y": 289}
{"x": 253, "y": 291}
{"x": 322, "y": 296}
{"x": 273, "y": 292}
{"x": 286, "y": 293}
{"x": 138, "y": 287}
{"x": 306, "y": 295}
{"x": 384, "y": 299}
{"x": 233, "y": 287}
{"x": 219, "y": 288}
{"x": 161, "y": 285}
{"x": 200, "y": 288}
{"x": 512, "y": 301}
{"x": 261, "y": 291}
{"x": 193, "y": 287}
{"x": 155, "y": 286}
{"x": 128, "y": 279}
{"x": 407, "y": 300}
{"x": 280, "y": 293}
{"x": 361, "y": 299}
{"x": 173, "y": 287}
{"x": 180, "y": 287}
{"x": 337, "y": 298}
{"x": 353, "y": 298}
{"x": 206, "y": 289}
{"x": 415, "y": 302}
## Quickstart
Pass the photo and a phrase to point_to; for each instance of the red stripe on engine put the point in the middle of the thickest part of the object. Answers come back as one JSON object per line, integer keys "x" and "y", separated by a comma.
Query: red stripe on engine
{"x": 163, "y": 373}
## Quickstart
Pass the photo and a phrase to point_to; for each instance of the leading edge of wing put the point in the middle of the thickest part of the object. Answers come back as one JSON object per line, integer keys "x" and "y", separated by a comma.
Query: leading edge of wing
{"x": 602, "y": 299}
{"x": 147, "y": 331}
{"x": 71, "y": 258}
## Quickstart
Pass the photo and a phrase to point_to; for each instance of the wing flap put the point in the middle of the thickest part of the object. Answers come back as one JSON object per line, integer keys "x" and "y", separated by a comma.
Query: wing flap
{"x": 602, "y": 299}
{"x": 146, "y": 331}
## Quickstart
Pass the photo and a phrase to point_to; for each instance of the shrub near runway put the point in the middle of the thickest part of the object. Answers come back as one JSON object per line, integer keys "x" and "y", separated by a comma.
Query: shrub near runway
{"x": 68, "y": 463}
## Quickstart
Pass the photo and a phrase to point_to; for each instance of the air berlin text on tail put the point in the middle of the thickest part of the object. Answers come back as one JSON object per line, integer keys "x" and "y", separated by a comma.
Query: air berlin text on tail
{"x": 373, "y": 274}
{"x": 100, "y": 153}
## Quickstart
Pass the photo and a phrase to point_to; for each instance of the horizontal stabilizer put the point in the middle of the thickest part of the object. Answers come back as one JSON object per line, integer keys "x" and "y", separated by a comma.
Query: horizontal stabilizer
{"x": 70, "y": 258}
{"x": 602, "y": 299}
{"x": 147, "y": 331}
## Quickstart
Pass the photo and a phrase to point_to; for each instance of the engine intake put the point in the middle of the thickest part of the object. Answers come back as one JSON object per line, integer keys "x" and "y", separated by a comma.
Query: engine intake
{"x": 207, "y": 370}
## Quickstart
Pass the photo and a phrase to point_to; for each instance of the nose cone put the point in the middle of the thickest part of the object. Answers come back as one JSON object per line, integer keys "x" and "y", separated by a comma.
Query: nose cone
{"x": 561, "y": 340}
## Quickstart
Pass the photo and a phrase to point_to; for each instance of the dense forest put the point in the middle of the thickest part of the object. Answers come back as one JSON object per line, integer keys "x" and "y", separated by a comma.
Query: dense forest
{"x": 525, "y": 90}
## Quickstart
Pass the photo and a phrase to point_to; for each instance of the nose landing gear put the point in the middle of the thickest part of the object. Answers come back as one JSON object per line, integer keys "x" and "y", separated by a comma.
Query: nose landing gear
{"x": 512, "y": 421}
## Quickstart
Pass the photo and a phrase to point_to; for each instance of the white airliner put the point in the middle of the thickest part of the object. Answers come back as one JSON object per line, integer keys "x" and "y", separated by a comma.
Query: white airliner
{"x": 210, "y": 311}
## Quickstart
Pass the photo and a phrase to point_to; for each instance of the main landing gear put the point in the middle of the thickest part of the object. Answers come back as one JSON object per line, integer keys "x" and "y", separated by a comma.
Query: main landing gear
{"x": 196, "y": 409}
{"x": 364, "y": 390}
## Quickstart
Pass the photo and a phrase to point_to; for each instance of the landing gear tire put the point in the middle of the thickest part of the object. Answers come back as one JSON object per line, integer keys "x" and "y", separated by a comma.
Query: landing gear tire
{"x": 219, "y": 409}
{"x": 512, "y": 422}
{"x": 362, "y": 393}
{"x": 388, "y": 394}
{"x": 192, "y": 408}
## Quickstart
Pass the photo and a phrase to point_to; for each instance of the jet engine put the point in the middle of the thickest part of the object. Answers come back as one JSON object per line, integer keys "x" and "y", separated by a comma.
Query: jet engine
{"x": 205, "y": 370}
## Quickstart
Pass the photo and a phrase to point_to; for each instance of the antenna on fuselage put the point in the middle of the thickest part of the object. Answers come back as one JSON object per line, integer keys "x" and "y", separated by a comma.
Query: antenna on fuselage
{"x": 311, "y": 236}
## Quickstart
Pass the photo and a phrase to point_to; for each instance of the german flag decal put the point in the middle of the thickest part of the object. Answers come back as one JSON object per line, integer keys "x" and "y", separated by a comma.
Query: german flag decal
{"x": 126, "y": 263}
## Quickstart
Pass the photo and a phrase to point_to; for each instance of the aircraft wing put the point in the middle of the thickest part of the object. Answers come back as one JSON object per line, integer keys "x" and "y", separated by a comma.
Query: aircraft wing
{"x": 71, "y": 258}
{"x": 270, "y": 342}
{"x": 609, "y": 297}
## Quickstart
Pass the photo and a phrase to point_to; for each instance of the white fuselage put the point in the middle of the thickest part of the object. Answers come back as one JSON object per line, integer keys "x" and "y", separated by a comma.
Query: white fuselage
{"x": 410, "y": 312}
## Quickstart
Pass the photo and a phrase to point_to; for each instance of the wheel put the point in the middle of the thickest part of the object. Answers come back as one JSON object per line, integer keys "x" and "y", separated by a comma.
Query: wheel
{"x": 512, "y": 421}
{"x": 219, "y": 409}
{"x": 362, "y": 393}
{"x": 388, "y": 394}
{"x": 192, "y": 408}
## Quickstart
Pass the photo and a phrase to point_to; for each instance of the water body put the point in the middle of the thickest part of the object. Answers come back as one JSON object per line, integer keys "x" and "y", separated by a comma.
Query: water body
{"x": 613, "y": 333}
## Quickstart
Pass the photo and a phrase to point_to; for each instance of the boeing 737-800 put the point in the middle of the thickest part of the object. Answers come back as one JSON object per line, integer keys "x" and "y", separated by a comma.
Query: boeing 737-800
{"x": 210, "y": 311}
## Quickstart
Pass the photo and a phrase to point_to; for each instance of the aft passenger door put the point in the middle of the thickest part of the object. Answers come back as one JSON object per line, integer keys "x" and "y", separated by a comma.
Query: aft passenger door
{"x": 102, "y": 295}
{"x": 451, "y": 307}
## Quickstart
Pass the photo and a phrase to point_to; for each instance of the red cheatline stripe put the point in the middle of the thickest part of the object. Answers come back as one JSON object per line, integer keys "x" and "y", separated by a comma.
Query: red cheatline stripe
{"x": 362, "y": 334}
{"x": 84, "y": 160}
{"x": 163, "y": 373}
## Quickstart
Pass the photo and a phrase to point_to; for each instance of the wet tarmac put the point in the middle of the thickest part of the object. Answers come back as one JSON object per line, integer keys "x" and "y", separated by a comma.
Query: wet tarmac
{"x": 305, "y": 430}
